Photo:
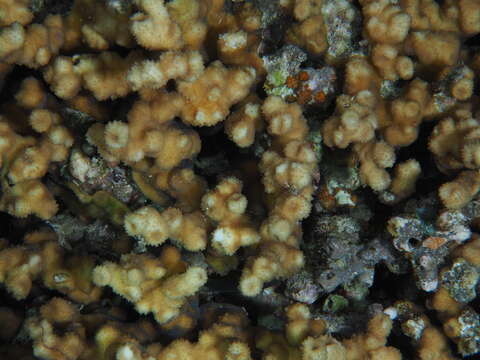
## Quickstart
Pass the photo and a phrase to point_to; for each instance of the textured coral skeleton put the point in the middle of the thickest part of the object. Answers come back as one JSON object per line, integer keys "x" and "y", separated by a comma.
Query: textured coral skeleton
{"x": 239, "y": 179}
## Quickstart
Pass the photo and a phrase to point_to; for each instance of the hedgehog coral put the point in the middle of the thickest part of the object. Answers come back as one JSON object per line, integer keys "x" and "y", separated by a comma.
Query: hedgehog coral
{"x": 97, "y": 25}
{"x": 29, "y": 197}
{"x": 33, "y": 46}
{"x": 42, "y": 257}
{"x": 288, "y": 177}
{"x": 49, "y": 345}
{"x": 188, "y": 230}
{"x": 12, "y": 11}
{"x": 184, "y": 185}
{"x": 304, "y": 339}
{"x": 105, "y": 75}
{"x": 454, "y": 142}
{"x": 310, "y": 31}
{"x": 240, "y": 48}
{"x": 245, "y": 122}
{"x": 170, "y": 65}
{"x": 150, "y": 132}
{"x": 173, "y": 152}
{"x": 27, "y": 159}
{"x": 222, "y": 88}
{"x": 226, "y": 339}
{"x": 457, "y": 193}
{"x": 155, "y": 18}
{"x": 374, "y": 158}
{"x": 459, "y": 279}
{"x": 153, "y": 285}
{"x": 285, "y": 121}
{"x": 405, "y": 176}
{"x": 356, "y": 120}
{"x": 169, "y": 24}
{"x": 226, "y": 205}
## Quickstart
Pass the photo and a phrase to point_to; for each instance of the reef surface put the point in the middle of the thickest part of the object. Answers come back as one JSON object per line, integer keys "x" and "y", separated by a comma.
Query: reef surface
{"x": 239, "y": 179}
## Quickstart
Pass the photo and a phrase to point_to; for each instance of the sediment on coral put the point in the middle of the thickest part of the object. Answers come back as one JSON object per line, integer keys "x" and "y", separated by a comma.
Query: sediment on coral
{"x": 239, "y": 179}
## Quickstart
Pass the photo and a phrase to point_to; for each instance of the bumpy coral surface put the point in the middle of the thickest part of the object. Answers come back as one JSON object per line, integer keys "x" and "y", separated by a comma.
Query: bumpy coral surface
{"x": 239, "y": 179}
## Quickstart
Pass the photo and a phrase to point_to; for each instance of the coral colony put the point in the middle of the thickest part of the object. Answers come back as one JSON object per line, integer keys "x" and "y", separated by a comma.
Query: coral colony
{"x": 239, "y": 179}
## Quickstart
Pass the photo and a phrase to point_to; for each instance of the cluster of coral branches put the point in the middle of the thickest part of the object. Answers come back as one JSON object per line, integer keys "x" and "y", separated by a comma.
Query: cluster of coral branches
{"x": 239, "y": 179}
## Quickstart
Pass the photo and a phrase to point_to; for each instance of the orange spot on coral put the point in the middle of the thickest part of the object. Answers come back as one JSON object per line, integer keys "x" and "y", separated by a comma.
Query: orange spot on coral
{"x": 326, "y": 199}
{"x": 304, "y": 96}
{"x": 292, "y": 82}
{"x": 320, "y": 96}
{"x": 434, "y": 242}
{"x": 303, "y": 76}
